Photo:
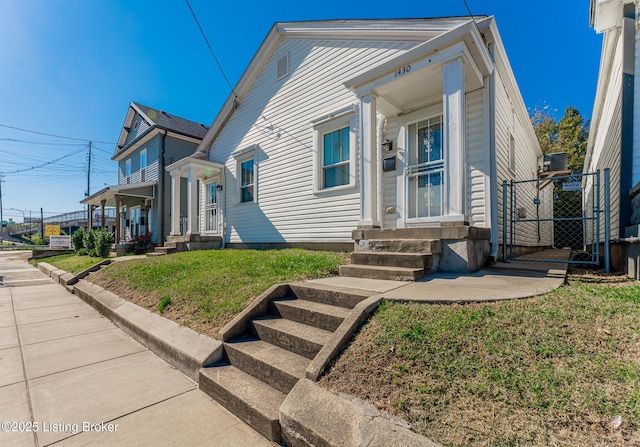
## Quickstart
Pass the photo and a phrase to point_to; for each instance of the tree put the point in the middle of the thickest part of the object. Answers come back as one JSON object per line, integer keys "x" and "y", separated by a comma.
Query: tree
{"x": 569, "y": 134}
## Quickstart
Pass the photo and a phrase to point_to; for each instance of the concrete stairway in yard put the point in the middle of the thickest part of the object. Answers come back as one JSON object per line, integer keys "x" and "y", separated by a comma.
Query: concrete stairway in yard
{"x": 263, "y": 364}
{"x": 176, "y": 244}
{"x": 392, "y": 259}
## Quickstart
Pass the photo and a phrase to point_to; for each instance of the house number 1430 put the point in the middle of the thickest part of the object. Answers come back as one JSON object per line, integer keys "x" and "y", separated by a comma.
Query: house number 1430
{"x": 403, "y": 70}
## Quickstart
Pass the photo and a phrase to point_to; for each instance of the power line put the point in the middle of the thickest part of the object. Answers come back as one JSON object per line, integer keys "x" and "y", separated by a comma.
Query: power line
{"x": 45, "y": 164}
{"x": 211, "y": 49}
{"x": 55, "y": 136}
{"x": 468, "y": 10}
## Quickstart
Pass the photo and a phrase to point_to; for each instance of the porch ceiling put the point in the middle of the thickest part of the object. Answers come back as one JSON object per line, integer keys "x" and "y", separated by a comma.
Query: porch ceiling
{"x": 136, "y": 191}
{"x": 202, "y": 168}
{"x": 410, "y": 91}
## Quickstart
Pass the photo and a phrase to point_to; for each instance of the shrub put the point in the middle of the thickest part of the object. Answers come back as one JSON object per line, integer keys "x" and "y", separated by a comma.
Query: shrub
{"x": 89, "y": 240}
{"x": 102, "y": 241}
{"x": 142, "y": 244}
{"x": 82, "y": 252}
{"x": 77, "y": 240}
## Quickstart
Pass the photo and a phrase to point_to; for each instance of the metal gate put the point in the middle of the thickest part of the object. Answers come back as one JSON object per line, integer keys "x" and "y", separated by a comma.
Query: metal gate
{"x": 570, "y": 211}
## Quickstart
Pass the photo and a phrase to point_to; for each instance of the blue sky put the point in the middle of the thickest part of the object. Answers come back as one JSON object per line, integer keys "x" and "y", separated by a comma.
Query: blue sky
{"x": 71, "y": 67}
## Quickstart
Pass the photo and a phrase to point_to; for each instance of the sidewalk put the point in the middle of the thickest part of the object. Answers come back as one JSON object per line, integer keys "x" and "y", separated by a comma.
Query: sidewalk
{"x": 71, "y": 373}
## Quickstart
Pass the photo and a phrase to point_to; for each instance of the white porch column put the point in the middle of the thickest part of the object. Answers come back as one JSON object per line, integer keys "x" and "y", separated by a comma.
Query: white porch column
{"x": 175, "y": 205}
{"x": 454, "y": 133}
{"x": 192, "y": 202}
{"x": 368, "y": 164}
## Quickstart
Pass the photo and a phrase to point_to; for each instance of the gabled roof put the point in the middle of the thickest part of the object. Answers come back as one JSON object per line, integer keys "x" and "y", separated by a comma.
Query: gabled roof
{"x": 157, "y": 119}
{"x": 418, "y": 30}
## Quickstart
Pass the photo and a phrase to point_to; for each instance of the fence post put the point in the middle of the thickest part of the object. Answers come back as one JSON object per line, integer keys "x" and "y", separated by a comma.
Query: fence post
{"x": 607, "y": 223}
{"x": 504, "y": 221}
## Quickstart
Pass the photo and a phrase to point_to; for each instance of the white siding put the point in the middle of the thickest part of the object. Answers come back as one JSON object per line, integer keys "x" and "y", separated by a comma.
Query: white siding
{"x": 276, "y": 116}
{"x": 526, "y": 163}
{"x": 607, "y": 136}
{"x": 475, "y": 161}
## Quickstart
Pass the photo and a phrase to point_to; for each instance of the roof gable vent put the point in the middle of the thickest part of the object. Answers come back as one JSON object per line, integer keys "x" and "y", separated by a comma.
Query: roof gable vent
{"x": 283, "y": 66}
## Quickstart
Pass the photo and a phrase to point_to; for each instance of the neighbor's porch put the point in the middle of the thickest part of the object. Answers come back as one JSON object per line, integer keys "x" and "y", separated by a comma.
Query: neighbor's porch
{"x": 202, "y": 226}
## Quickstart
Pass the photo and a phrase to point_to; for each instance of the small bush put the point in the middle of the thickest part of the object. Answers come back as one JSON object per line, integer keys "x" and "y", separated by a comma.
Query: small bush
{"x": 82, "y": 252}
{"x": 77, "y": 240}
{"x": 89, "y": 240}
{"x": 142, "y": 244}
{"x": 103, "y": 240}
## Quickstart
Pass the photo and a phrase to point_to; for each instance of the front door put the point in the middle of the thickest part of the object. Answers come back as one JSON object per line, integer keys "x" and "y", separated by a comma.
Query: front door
{"x": 211, "y": 208}
{"x": 425, "y": 170}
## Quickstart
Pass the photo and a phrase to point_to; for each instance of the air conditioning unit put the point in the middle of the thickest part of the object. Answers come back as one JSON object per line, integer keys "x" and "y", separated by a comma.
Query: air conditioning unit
{"x": 556, "y": 162}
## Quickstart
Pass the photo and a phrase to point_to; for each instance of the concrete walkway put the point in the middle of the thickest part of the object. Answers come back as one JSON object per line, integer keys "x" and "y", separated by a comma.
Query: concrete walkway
{"x": 498, "y": 282}
{"x": 71, "y": 373}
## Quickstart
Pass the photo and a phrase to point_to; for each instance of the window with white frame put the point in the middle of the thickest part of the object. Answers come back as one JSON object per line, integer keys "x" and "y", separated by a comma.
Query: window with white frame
{"x": 127, "y": 171}
{"x": 247, "y": 181}
{"x": 143, "y": 165}
{"x": 335, "y": 146}
{"x": 246, "y": 174}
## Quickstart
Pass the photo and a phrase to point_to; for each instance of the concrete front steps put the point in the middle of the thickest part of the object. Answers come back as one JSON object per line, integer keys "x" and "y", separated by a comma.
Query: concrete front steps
{"x": 408, "y": 254}
{"x": 269, "y": 349}
{"x": 188, "y": 242}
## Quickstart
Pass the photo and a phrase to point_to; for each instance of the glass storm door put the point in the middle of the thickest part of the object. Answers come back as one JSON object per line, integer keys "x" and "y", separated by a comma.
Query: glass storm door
{"x": 425, "y": 170}
{"x": 211, "y": 208}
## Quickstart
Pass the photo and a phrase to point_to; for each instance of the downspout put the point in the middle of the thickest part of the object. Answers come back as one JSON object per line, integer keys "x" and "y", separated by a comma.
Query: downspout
{"x": 224, "y": 208}
{"x": 380, "y": 123}
{"x": 161, "y": 195}
{"x": 493, "y": 188}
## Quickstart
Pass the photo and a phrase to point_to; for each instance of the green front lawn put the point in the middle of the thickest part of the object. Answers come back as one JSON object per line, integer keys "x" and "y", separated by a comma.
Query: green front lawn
{"x": 551, "y": 370}
{"x": 208, "y": 288}
{"x": 71, "y": 262}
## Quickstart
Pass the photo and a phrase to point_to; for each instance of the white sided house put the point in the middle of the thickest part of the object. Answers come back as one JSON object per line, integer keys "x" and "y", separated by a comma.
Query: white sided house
{"x": 614, "y": 138}
{"x": 393, "y": 134}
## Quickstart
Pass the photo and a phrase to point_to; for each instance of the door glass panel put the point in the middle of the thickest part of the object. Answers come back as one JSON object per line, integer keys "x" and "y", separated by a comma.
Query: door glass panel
{"x": 426, "y": 169}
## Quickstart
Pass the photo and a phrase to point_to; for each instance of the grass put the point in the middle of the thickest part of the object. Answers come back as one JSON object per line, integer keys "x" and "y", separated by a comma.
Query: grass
{"x": 208, "y": 288}
{"x": 70, "y": 262}
{"x": 548, "y": 371}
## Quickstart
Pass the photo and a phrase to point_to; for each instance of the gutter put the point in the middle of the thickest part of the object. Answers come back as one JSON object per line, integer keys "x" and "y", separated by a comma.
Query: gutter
{"x": 161, "y": 183}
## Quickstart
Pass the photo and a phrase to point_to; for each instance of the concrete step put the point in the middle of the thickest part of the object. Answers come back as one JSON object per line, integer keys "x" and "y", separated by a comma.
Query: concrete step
{"x": 250, "y": 399}
{"x": 273, "y": 365}
{"x": 166, "y": 250}
{"x": 424, "y": 246}
{"x": 153, "y": 254}
{"x": 449, "y": 230}
{"x": 381, "y": 272}
{"x": 409, "y": 260}
{"x": 300, "y": 338}
{"x": 323, "y": 316}
{"x": 327, "y": 294}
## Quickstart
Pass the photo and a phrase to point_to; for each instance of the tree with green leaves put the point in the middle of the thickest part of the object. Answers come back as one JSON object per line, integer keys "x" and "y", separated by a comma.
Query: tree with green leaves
{"x": 569, "y": 134}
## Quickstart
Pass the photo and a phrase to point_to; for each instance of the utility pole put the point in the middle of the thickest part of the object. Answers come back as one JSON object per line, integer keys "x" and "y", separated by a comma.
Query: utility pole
{"x": 41, "y": 223}
{"x": 89, "y": 188}
{"x": 1, "y": 216}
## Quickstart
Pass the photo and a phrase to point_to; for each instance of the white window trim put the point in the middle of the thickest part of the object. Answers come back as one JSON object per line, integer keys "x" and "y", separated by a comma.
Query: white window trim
{"x": 332, "y": 123}
{"x": 127, "y": 172}
{"x": 241, "y": 156}
{"x": 146, "y": 164}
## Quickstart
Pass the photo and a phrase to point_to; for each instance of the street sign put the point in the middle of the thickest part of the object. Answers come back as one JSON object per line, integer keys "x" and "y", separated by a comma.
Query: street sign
{"x": 571, "y": 186}
{"x": 52, "y": 230}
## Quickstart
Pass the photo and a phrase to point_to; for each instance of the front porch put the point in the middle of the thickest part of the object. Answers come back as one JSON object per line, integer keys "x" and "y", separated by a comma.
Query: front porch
{"x": 195, "y": 231}
{"x": 133, "y": 204}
